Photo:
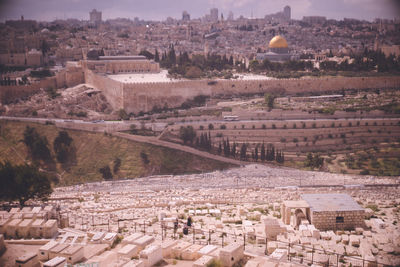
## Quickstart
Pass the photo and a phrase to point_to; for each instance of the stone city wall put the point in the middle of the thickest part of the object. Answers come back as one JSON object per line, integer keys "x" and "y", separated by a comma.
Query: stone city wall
{"x": 326, "y": 220}
{"x": 136, "y": 97}
{"x": 112, "y": 90}
{"x": 9, "y": 94}
{"x": 143, "y": 97}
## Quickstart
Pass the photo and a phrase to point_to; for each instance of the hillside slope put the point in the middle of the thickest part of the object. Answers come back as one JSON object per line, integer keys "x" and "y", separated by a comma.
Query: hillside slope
{"x": 96, "y": 150}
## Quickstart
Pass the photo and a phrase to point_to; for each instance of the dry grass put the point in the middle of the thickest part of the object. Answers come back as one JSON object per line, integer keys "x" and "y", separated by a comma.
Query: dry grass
{"x": 95, "y": 150}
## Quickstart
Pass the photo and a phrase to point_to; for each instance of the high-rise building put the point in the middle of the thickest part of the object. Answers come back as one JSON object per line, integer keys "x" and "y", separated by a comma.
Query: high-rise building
{"x": 185, "y": 16}
{"x": 283, "y": 16}
{"x": 95, "y": 16}
{"x": 286, "y": 12}
{"x": 214, "y": 14}
{"x": 230, "y": 15}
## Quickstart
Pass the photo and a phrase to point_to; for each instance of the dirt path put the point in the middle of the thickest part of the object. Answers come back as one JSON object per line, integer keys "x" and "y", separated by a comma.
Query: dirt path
{"x": 158, "y": 142}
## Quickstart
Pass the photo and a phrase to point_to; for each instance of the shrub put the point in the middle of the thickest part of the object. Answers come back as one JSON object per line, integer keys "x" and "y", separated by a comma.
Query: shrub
{"x": 81, "y": 114}
{"x": 273, "y": 126}
{"x": 263, "y": 126}
{"x": 210, "y": 126}
{"x": 223, "y": 127}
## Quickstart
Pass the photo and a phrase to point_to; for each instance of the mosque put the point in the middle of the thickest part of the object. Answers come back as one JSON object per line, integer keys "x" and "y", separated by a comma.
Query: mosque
{"x": 278, "y": 50}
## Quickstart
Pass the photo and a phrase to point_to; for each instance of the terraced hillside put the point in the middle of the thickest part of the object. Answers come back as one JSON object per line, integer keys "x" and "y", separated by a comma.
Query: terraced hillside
{"x": 296, "y": 138}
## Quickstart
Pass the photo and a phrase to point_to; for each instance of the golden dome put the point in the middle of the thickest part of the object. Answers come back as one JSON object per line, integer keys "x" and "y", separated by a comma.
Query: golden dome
{"x": 278, "y": 42}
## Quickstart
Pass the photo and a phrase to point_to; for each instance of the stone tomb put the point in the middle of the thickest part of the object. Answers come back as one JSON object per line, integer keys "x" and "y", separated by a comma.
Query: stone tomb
{"x": 192, "y": 253}
{"x": 334, "y": 212}
{"x": 231, "y": 254}
{"x": 36, "y": 229}
{"x": 50, "y": 228}
{"x": 151, "y": 255}
{"x": 27, "y": 260}
{"x": 73, "y": 254}
{"x": 128, "y": 251}
{"x": 44, "y": 250}
{"x": 203, "y": 261}
{"x": 167, "y": 246}
{"x": 55, "y": 262}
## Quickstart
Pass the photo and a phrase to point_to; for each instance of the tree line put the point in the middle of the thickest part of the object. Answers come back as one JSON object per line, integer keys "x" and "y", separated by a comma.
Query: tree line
{"x": 192, "y": 67}
{"x": 263, "y": 154}
{"x": 204, "y": 142}
{"x": 369, "y": 60}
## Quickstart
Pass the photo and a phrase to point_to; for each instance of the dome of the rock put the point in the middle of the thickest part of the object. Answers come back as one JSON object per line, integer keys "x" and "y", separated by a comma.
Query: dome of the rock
{"x": 278, "y": 42}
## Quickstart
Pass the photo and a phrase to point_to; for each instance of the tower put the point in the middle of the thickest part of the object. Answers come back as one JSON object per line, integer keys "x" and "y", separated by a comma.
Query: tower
{"x": 286, "y": 12}
{"x": 95, "y": 16}
{"x": 185, "y": 16}
{"x": 214, "y": 14}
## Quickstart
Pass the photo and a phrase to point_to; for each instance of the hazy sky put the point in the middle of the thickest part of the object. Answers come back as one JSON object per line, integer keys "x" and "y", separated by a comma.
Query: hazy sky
{"x": 160, "y": 9}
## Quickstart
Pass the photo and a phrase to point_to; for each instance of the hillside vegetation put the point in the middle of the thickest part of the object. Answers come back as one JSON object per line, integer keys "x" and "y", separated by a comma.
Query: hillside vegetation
{"x": 95, "y": 151}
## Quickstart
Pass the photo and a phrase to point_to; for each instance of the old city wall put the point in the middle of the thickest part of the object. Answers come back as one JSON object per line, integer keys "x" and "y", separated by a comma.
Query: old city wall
{"x": 70, "y": 77}
{"x": 11, "y": 93}
{"x": 143, "y": 97}
{"x": 112, "y": 90}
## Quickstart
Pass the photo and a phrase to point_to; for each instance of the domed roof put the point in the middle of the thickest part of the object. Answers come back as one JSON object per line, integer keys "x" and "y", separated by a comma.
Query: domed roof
{"x": 278, "y": 42}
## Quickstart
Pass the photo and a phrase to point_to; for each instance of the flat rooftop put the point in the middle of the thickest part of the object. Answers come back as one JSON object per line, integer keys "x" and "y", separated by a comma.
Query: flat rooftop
{"x": 331, "y": 202}
{"x": 122, "y": 58}
{"x": 142, "y": 77}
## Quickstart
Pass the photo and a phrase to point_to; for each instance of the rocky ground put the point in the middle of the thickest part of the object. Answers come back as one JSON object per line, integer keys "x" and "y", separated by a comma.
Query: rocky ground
{"x": 81, "y": 101}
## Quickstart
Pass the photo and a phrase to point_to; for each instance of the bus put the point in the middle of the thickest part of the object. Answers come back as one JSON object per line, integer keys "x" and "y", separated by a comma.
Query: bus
{"x": 231, "y": 118}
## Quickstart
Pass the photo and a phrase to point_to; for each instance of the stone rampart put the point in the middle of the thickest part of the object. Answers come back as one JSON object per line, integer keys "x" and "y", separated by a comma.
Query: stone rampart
{"x": 112, "y": 90}
{"x": 136, "y": 97}
{"x": 11, "y": 93}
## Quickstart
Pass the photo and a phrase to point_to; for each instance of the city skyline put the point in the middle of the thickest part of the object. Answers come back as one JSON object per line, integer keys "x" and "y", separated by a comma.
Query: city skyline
{"x": 46, "y": 10}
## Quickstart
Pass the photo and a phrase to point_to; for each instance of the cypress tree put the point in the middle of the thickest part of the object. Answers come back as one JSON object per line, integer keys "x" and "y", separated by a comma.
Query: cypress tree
{"x": 262, "y": 153}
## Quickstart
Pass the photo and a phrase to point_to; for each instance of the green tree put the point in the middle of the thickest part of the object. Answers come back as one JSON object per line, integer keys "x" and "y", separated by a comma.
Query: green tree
{"x": 64, "y": 149}
{"x": 157, "y": 56}
{"x": 187, "y": 134}
{"x": 117, "y": 165}
{"x": 37, "y": 146}
{"x": 23, "y": 182}
{"x": 243, "y": 152}
{"x": 145, "y": 158}
{"x": 269, "y": 100}
{"x": 123, "y": 115}
{"x": 262, "y": 152}
{"x": 106, "y": 172}
{"x": 314, "y": 161}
